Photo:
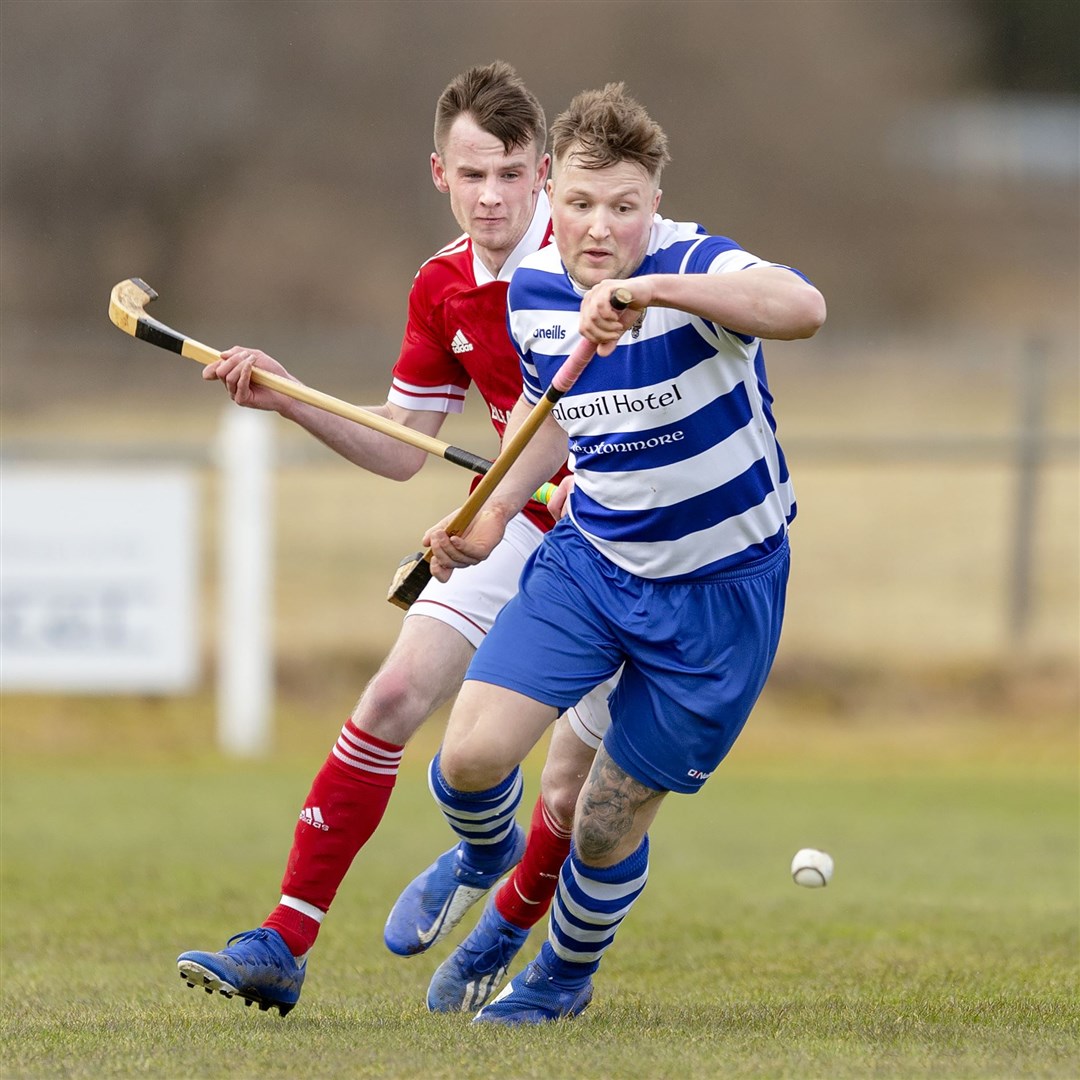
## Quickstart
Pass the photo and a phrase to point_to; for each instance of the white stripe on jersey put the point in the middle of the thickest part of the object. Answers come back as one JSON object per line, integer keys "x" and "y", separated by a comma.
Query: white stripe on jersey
{"x": 448, "y": 398}
{"x": 677, "y": 558}
{"x": 453, "y": 248}
{"x": 665, "y": 487}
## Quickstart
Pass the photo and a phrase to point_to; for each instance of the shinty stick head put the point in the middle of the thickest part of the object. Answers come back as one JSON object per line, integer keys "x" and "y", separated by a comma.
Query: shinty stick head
{"x": 127, "y": 304}
{"x": 413, "y": 573}
{"x": 127, "y": 309}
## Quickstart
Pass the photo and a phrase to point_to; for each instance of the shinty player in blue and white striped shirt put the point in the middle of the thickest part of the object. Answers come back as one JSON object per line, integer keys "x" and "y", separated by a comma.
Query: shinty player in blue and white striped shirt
{"x": 673, "y": 557}
{"x": 678, "y": 473}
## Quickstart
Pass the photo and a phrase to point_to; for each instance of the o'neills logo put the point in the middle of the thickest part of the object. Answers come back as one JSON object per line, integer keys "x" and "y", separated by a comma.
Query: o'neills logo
{"x": 552, "y": 333}
{"x": 616, "y": 404}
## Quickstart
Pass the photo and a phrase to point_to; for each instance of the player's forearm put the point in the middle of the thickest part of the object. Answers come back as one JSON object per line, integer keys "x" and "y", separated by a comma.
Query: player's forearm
{"x": 763, "y": 301}
{"x": 371, "y": 450}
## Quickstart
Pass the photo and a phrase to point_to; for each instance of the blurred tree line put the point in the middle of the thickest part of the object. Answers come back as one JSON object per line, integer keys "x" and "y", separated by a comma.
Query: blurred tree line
{"x": 1031, "y": 45}
{"x": 263, "y": 163}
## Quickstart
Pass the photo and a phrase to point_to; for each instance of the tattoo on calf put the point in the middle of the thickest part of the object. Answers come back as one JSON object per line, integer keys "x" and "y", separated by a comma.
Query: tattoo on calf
{"x": 608, "y": 808}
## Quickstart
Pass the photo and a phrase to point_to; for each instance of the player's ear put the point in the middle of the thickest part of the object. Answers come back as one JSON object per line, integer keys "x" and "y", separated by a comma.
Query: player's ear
{"x": 656, "y": 200}
{"x": 438, "y": 174}
{"x": 543, "y": 171}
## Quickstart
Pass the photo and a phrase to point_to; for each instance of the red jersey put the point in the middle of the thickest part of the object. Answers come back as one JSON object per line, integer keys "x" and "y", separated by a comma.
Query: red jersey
{"x": 456, "y": 335}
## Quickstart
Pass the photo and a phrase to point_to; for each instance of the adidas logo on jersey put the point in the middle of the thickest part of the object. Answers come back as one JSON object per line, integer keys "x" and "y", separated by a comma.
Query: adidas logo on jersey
{"x": 312, "y": 815}
{"x": 460, "y": 343}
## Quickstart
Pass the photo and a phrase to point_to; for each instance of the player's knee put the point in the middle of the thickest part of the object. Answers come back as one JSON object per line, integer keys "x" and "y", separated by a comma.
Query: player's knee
{"x": 560, "y": 794}
{"x": 389, "y": 708}
{"x": 467, "y": 768}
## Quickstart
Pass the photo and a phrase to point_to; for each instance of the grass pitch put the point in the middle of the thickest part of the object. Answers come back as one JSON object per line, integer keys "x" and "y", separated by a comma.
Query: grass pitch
{"x": 946, "y": 945}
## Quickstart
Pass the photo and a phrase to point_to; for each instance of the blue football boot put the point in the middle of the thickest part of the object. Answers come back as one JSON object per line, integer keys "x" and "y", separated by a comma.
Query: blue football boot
{"x": 434, "y": 903}
{"x": 535, "y": 996}
{"x": 469, "y": 976}
{"x": 255, "y": 965}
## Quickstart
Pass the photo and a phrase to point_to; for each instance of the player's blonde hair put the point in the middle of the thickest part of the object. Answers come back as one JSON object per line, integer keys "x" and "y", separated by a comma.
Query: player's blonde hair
{"x": 604, "y": 127}
{"x": 500, "y": 104}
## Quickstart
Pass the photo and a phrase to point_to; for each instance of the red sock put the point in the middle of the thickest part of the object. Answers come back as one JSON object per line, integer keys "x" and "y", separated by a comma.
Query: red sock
{"x": 526, "y": 896}
{"x": 297, "y": 930}
{"x": 344, "y": 807}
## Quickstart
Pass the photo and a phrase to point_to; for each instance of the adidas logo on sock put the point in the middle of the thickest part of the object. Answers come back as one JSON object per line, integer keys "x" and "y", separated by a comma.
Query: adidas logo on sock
{"x": 312, "y": 815}
{"x": 460, "y": 343}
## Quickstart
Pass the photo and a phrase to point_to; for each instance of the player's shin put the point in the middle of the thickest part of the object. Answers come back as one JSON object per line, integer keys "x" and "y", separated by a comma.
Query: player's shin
{"x": 526, "y": 896}
{"x": 347, "y": 800}
{"x": 590, "y": 905}
{"x": 490, "y": 843}
{"x": 483, "y": 820}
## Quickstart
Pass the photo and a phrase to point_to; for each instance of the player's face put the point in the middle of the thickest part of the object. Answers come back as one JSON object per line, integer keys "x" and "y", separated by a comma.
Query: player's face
{"x": 602, "y": 218}
{"x": 492, "y": 192}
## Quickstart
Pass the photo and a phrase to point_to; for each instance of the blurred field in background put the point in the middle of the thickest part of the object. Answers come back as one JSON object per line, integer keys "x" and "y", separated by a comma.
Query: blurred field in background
{"x": 900, "y": 591}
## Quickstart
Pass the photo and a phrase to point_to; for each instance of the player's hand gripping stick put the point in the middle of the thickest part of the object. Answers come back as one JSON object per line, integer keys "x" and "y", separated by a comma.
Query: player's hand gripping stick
{"x": 415, "y": 570}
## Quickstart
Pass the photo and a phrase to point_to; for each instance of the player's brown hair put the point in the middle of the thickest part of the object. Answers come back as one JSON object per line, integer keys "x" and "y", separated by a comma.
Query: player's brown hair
{"x": 604, "y": 127}
{"x": 498, "y": 101}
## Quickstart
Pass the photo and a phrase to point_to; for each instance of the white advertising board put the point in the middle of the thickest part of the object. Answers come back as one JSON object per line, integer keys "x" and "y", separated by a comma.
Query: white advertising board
{"x": 98, "y": 580}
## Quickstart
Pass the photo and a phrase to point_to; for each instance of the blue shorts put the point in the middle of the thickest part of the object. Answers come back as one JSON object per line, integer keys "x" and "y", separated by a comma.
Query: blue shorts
{"x": 696, "y": 654}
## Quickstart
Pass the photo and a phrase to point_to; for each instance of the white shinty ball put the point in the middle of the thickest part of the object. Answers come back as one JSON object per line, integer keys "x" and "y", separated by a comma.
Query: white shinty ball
{"x": 812, "y": 868}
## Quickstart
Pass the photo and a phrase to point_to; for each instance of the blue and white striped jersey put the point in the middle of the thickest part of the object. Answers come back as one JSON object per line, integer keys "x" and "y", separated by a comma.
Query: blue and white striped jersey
{"x": 672, "y": 438}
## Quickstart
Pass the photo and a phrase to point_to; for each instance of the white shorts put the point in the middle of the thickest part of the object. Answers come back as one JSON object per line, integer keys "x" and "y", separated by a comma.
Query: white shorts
{"x": 472, "y": 598}
{"x": 590, "y": 718}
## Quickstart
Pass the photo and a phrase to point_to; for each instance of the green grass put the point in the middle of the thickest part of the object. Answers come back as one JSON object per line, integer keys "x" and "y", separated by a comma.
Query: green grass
{"x": 946, "y": 946}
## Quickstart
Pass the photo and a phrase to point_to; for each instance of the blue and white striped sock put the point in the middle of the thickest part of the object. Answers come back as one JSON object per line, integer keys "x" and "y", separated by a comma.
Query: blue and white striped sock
{"x": 483, "y": 819}
{"x": 590, "y": 904}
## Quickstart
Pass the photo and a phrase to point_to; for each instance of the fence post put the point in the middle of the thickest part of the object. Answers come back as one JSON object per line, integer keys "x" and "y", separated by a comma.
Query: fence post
{"x": 245, "y": 664}
{"x": 1030, "y": 451}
